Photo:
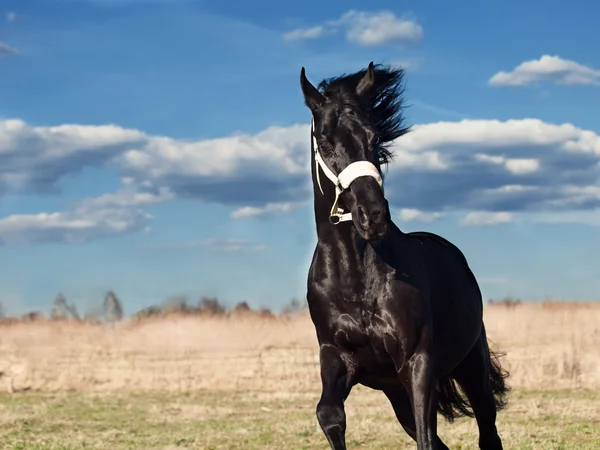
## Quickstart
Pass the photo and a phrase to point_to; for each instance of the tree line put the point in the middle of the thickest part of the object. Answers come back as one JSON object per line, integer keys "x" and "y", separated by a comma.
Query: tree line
{"x": 112, "y": 310}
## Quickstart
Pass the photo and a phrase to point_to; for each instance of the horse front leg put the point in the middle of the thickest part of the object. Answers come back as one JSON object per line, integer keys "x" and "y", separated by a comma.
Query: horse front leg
{"x": 336, "y": 388}
{"x": 421, "y": 387}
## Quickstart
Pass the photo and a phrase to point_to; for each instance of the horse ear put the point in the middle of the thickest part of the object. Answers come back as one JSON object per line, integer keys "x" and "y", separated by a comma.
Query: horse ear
{"x": 367, "y": 82}
{"x": 312, "y": 97}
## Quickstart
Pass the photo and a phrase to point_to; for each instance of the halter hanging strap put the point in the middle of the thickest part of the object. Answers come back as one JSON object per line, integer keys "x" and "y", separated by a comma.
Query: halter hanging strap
{"x": 343, "y": 180}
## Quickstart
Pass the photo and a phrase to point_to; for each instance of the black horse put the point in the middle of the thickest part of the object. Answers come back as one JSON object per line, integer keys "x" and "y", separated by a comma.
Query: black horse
{"x": 394, "y": 311}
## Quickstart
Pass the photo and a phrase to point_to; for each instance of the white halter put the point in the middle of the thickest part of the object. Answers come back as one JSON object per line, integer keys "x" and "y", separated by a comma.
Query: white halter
{"x": 342, "y": 181}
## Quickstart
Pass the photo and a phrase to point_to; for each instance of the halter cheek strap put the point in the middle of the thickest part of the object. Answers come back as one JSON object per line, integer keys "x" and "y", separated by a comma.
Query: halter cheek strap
{"x": 343, "y": 180}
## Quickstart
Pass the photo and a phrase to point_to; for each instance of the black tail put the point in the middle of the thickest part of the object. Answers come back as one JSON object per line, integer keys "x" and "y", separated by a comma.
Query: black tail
{"x": 498, "y": 377}
{"x": 452, "y": 403}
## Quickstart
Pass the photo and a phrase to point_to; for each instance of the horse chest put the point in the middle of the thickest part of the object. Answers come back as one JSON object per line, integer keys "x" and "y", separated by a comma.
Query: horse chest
{"x": 365, "y": 340}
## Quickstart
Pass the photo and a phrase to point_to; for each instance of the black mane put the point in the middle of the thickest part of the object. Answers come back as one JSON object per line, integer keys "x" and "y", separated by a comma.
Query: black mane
{"x": 384, "y": 105}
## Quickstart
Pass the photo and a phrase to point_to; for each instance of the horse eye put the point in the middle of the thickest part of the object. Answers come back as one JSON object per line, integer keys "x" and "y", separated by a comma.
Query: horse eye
{"x": 373, "y": 140}
{"x": 326, "y": 146}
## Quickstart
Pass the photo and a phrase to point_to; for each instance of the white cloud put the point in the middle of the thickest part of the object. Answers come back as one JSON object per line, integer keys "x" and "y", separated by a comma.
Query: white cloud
{"x": 242, "y": 170}
{"x": 69, "y": 227}
{"x": 588, "y": 217}
{"x": 510, "y": 188}
{"x": 406, "y": 64}
{"x": 495, "y": 166}
{"x": 72, "y": 227}
{"x": 509, "y": 136}
{"x": 11, "y": 16}
{"x": 6, "y": 50}
{"x": 304, "y": 33}
{"x": 514, "y": 165}
{"x": 547, "y": 68}
{"x": 33, "y": 159}
{"x": 365, "y": 29}
{"x": 231, "y": 245}
{"x": 213, "y": 244}
{"x": 89, "y": 219}
{"x": 578, "y": 195}
{"x": 259, "y": 153}
{"x": 412, "y": 214}
{"x": 129, "y": 198}
{"x": 479, "y": 218}
{"x": 506, "y": 168}
{"x": 269, "y": 208}
{"x": 371, "y": 29}
{"x": 522, "y": 165}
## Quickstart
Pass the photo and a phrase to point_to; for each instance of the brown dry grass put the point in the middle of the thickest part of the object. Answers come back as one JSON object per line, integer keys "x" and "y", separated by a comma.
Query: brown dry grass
{"x": 548, "y": 346}
{"x": 251, "y": 382}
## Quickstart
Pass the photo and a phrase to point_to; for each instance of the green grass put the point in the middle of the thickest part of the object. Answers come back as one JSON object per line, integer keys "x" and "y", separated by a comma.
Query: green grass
{"x": 550, "y": 420}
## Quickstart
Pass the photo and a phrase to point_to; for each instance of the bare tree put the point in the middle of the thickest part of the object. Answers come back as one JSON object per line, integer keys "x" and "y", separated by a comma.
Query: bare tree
{"x": 211, "y": 305}
{"x": 177, "y": 304}
{"x": 113, "y": 310}
{"x": 32, "y": 316}
{"x": 242, "y": 307}
{"x": 63, "y": 310}
{"x": 295, "y": 306}
{"x": 148, "y": 311}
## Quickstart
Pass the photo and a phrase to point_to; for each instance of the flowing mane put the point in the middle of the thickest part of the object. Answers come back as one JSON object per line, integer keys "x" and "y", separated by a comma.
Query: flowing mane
{"x": 384, "y": 106}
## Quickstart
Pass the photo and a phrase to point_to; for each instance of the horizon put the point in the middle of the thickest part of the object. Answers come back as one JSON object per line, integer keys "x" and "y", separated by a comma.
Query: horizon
{"x": 161, "y": 149}
{"x": 62, "y": 310}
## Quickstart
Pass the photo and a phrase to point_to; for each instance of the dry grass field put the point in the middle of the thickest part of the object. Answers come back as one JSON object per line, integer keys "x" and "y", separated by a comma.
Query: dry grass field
{"x": 246, "y": 381}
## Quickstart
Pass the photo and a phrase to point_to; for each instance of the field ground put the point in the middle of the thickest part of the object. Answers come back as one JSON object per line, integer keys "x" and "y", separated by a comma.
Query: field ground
{"x": 248, "y": 382}
{"x": 272, "y": 420}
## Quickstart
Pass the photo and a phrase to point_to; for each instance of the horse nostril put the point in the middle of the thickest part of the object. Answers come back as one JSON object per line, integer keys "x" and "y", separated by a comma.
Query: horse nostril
{"x": 376, "y": 214}
{"x": 362, "y": 216}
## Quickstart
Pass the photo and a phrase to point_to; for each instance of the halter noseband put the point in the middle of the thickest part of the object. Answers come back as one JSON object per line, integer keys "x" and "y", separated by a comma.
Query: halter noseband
{"x": 342, "y": 181}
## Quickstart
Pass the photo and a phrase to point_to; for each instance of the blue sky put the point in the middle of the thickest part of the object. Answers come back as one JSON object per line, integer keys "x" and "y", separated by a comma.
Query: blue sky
{"x": 161, "y": 148}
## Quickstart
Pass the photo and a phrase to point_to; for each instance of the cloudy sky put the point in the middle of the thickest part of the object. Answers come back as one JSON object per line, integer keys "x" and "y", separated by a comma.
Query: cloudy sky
{"x": 161, "y": 148}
